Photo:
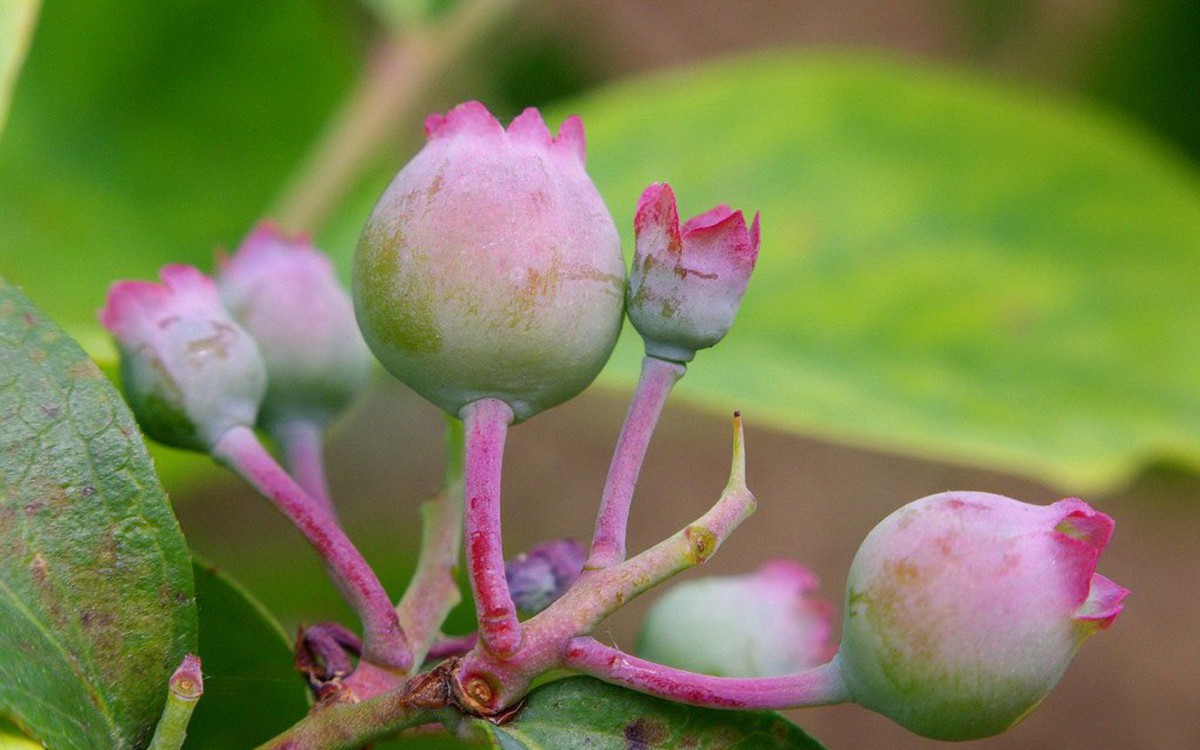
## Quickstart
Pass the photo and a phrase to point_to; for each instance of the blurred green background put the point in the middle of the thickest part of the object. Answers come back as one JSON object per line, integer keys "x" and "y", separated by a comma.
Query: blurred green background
{"x": 980, "y": 265}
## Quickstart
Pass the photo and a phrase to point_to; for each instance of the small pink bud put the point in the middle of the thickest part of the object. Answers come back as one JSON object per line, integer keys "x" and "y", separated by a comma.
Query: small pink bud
{"x": 491, "y": 268}
{"x": 540, "y": 576}
{"x": 687, "y": 282}
{"x": 963, "y": 609}
{"x": 764, "y": 624}
{"x": 190, "y": 372}
{"x": 285, "y": 293}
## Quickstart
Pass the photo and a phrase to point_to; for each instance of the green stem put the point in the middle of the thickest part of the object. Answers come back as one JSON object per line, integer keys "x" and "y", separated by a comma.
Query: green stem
{"x": 433, "y": 591}
{"x": 183, "y": 692}
{"x": 349, "y": 726}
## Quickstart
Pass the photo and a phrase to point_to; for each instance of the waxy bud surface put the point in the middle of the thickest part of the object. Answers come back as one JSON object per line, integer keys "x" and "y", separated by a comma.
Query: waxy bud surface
{"x": 285, "y": 293}
{"x": 687, "y": 281}
{"x": 764, "y": 624}
{"x": 963, "y": 609}
{"x": 491, "y": 268}
{"x": 190, "y": 372}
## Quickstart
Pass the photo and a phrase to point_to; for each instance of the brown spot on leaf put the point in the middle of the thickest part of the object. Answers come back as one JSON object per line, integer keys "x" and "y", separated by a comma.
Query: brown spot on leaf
{"x": 646, "y": 733}
{"x": 84, "y": 370}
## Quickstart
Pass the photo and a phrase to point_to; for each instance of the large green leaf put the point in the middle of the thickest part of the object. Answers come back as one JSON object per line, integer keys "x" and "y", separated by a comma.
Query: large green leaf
{"x": 950, "y": 266}
{"x": 96, "y": 602}
{"x": 17, "y": 18}
{"x": 582, "y": 712}
{"x": 251, "y": 691}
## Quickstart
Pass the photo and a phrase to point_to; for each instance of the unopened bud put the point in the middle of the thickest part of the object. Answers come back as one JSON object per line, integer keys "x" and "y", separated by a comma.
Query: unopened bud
{"x": 190, "y": 372}
{"x": 687, "y": 281}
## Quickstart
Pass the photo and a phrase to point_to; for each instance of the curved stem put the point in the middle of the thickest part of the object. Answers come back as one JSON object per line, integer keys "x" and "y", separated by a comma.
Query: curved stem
{"x": 433, "y": 591}
{"x": 303, "y": 444}
{"x": 599, "y": 593}
{"x": 486, "y": 423}
{"x": 489, "y": 684}
{"x": 819, "y": 686}
{"x": 657, "y": 378}
{"x": 383, "y": 639}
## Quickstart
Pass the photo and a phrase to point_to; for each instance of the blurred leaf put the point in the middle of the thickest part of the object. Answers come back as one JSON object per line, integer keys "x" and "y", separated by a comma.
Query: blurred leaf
{"x": 196, "y": 113}
{"x": 950, "y": 267}
{"x": 582, "y": 712}
{"x": 96, "y": 606}
{"x": 145, "y": 132}
{"x": 251, "y": 691}
{"x": 17, "y": 20}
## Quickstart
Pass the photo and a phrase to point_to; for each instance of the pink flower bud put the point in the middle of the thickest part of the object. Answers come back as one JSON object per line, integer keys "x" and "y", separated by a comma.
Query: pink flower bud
{"x": 491, "y": 268}
{"x": 963, "y": 609}
{"x": 190, "y": 372}
{"x": 764, "y": 624}
{"x": 285, "y": 293}
{"x": 687, "y": 282}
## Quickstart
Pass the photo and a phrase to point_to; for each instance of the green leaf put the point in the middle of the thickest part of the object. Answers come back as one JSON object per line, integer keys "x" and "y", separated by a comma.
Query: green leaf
{"x": 951, "y": 267}
{"x": 17, "y": 20}
{"x": 96, "y": 602}
{"x": 582, "y": 712}
{"x": 251, "y": 691}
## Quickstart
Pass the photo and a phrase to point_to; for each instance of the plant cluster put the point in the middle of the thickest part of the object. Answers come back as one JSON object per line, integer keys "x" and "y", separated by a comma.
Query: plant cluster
{"x": 489, "y": 278}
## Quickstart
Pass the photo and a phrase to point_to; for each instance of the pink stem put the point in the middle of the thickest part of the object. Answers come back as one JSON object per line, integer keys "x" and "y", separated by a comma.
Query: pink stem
{"x": 489, "y": 683}
{"x": 486, "y": 423}
{"x": 383, "y": 638}
{"x": 657, "y": 378}
{"x": 819, "y": 686}
{"x": 303, "y": 447}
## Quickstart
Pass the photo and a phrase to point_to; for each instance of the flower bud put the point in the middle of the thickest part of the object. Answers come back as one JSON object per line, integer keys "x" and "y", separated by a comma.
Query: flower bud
{"x": 190, "y": 372}
{"x": 540, "y": 576}
{"x": 285, "y": 293}
{"x": 491, "y": 268}
{"x": 963, "y": 609}
{"x": 687, "y": 282}
{"x": 764, "y": 624}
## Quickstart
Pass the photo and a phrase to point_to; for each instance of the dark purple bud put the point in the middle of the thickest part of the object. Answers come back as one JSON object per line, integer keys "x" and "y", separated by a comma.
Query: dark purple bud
{"x": 538, "y": 577}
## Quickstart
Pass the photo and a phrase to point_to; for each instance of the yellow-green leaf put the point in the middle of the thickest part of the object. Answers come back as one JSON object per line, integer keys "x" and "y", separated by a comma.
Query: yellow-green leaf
{"x": 950, "y": 267}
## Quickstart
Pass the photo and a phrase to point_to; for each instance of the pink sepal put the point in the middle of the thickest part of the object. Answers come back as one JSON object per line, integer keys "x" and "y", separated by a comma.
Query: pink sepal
{"x": 468, "y": 117}
{"x": 1102, "y": 606}
{"x": 1082, "y": 534}
{"x": 687, "y": 280}
{"x": 269, "y": 250}
{"x": 530, "y": 128}
{"x": 473, "y": 118}
{"x": 132, "y": 306}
